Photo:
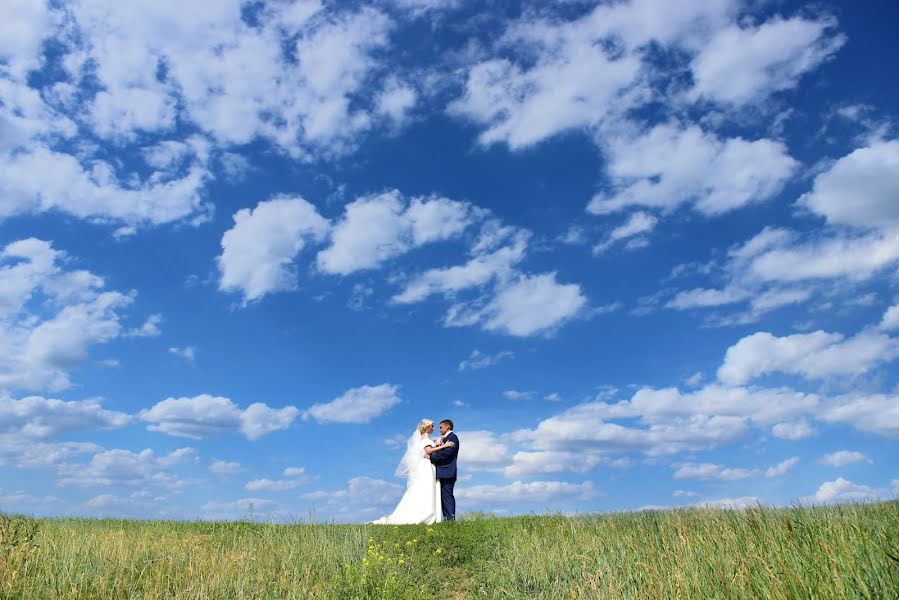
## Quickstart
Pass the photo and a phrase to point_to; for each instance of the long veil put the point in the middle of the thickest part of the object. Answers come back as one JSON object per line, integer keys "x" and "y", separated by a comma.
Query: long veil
{"x": 414, "y": 451}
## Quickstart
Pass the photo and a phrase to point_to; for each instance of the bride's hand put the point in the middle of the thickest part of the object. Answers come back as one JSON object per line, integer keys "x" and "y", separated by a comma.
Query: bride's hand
{"x": 449, "y": 443}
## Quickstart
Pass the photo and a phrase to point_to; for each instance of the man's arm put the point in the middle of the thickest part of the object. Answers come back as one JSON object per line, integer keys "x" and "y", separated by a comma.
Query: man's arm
{"x": 446, "y": 454}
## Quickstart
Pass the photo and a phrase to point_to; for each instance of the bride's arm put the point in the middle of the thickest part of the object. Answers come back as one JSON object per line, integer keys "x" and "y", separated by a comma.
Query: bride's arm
{"x": 431, "y": 449}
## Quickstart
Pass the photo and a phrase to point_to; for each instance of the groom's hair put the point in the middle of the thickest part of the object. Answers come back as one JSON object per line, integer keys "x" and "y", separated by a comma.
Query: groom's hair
{"x": 448, "y": 422}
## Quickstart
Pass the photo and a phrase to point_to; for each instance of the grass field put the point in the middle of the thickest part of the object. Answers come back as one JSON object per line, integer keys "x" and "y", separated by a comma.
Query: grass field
{"x": 848, "y": 551}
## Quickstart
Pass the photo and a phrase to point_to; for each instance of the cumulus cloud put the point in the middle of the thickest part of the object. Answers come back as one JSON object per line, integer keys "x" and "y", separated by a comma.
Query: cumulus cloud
{"x": 739, "y": 65}
{"x": 297, "y": 77}
{"x": 711, "y": 471}
{"x": 188, "y": 353}
{"x": 258, "y": 252}
{"x": 782, "y": 467}
{"x": 859, "y": 189}
{"x": 793, "y": 430}
{"x": 843, "y": 490}
{"x": 357, "y": 405}
{"x": 202, "y": 416}
{"x": 125, "y": 468}
{"x": 533, "y": 492}
{"x": 841, "y": 458}
{"x": 377, "y": 228}
{"x": 42, "y": 418}
{"x": 482, "y": 269}
{"x": 50, "y": 318}
{"x": 546, "y": 90}
{"x": 527, "y": 463}
{"x": 876, "y": 413}
{"x": 813, "y": 355}
{"x": 671, "y": 165}
{"x": 483, "y": 450}
{"x": 732, "y": 503}
{"x": 530, "y": 305}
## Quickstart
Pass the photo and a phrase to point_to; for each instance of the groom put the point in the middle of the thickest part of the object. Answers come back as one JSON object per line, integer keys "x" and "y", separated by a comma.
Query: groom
{"x": 445, "y": 462}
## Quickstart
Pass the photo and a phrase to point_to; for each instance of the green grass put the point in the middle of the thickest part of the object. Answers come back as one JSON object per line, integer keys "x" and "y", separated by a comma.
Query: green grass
{"x": 848, "y": 551}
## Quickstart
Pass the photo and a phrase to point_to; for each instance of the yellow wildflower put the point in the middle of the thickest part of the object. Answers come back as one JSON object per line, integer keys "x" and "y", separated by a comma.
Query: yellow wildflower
{"x": 438, "y": 551}
{"x": 401, "y": 561}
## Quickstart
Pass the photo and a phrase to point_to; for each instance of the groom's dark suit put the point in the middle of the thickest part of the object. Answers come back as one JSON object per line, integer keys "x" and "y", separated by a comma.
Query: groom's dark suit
{"x": 445, "y": 462}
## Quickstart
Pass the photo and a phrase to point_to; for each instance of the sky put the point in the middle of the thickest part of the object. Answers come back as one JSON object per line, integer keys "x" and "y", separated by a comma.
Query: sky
{"x": 642, "y": 253}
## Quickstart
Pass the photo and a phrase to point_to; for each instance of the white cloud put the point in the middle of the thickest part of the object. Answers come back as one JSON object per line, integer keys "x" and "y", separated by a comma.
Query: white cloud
{"x": 479, "y": 271}
{"x": 890, "y": 319}
{"x": 396, "y": 100}
{"x": 363, "y": 496}
{"x": 24, "y": 24}
{"x": 188, "y": 353}
{"x": 357, "y": 405}
{"x": 527, "y": 463}
{"x": 49, "y": 317}
{"x": 732, "y": 503}
{"x": 842, "y": 458}
{"x": 836, "y": 256}
{"x": 258, "y": 252}
{"x": 483, "y": 450}
{"x": 877, "y": 413}
{"x": 224, "y": 467}
{"x": 379, "y": 227}
{"x": 94, "y": 191}
{"x": 638, "y": 223}
{"x": 233, "y": 80}
{"x": 813, "y": 355}
{"x": 569, "y": 76}
{"x": 667, "y": 420}
{"x": 517, "y": 395}
{"x": 671, "y": 165}
{"x": 534, "y": 492}
{"x": 531, "y": 305}
{"x": 711, "y": 471}
{"x": 781, "y": 468}
{"x": 793, "y": 430}
{"x": 268, "y": 485}
{"x": 684, "y": 494}
{"x": 842, "y": 490}
{"x": 204, "y": 415}
{"x": 479, "y": 360}
{"x": 150, "y": 328}
{"x": 41, "y": 418}
{"x": 859, "y": 189}
{"x": 740, "y": 65}
{"x": 297, "y": 477}
{"x": 123, "y": 467}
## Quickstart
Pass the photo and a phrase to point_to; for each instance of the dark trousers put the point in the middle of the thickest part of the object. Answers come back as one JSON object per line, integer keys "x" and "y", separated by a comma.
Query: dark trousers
{"x": 447, "y": 500}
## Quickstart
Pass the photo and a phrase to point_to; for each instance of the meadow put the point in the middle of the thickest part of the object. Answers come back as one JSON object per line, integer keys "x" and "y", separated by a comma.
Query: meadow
{"x": 845, "y": 551}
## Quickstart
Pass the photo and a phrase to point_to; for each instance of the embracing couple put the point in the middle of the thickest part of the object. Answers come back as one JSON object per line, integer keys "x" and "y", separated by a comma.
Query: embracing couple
{"x": 430, "y": 470}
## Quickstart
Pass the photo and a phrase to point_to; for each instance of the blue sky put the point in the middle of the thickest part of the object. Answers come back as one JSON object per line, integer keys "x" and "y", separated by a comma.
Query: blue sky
{"x": 642, "y": 253}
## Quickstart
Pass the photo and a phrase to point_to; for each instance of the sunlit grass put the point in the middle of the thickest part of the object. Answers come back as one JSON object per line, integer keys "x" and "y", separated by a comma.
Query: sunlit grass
{"x": 848, "y": 551}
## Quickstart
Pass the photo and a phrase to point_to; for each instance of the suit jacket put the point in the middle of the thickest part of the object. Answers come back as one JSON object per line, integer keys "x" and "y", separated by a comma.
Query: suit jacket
{"x": 445, "y": 459}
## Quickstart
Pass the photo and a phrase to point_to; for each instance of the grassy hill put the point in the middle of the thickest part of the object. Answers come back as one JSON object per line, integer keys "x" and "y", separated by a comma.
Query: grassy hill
{"x": 848, "y": 551}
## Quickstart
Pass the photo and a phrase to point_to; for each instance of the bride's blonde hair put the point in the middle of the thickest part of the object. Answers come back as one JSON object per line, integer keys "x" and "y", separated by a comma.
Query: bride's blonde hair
{"x": 425, "y": 423}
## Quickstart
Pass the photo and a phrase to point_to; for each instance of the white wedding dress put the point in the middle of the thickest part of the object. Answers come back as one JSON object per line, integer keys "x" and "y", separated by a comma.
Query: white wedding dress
{"x": 420, "y": 505}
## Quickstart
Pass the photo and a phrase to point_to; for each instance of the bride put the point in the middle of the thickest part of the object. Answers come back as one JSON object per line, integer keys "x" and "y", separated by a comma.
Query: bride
{"x": 421, "y": 502}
